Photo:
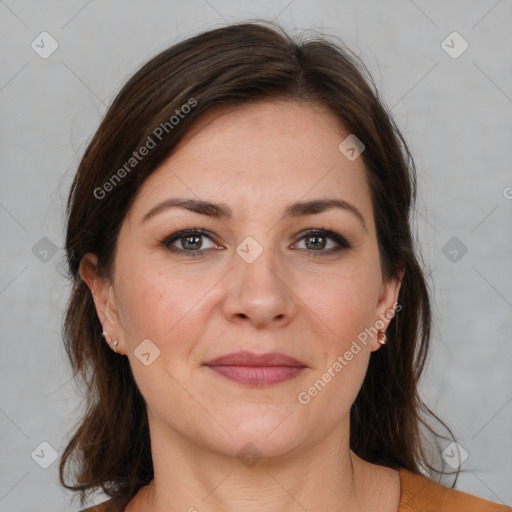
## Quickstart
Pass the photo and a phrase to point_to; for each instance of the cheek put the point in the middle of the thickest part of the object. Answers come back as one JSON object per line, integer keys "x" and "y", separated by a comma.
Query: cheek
{"x": 345, "y": 302}
{"x": 142, "y": 305}
{"x": 160, "y": 304}
{"x": 345, "y": 306}
{"x": 164, "y": 307}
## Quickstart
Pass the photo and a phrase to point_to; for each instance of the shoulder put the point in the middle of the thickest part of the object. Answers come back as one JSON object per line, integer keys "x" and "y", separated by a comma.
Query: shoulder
{"x": 421, "y": 494}
{"x": 111, "y": 505}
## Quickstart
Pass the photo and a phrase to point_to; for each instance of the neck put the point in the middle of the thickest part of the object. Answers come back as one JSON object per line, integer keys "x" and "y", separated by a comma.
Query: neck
{"x": 323, "y": 476}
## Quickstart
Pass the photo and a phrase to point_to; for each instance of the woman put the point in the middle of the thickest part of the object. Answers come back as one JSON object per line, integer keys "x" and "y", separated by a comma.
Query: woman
{"x": 248, "y": 310}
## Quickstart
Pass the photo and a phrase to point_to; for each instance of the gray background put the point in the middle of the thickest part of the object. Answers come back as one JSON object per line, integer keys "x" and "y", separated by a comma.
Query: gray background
{"x": 454, "y": 112}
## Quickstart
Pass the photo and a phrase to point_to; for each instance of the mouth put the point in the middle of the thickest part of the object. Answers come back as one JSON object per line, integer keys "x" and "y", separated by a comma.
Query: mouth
{"x": 256, "y": 369}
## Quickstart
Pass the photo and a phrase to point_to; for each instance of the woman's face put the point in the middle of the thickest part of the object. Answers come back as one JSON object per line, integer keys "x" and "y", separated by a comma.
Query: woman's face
{"x": 261, "y": 278}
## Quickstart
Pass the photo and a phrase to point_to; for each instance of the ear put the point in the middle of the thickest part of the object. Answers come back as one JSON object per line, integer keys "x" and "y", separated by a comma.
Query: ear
{"x": 387, "y": 304}
{"x": 104, "y": 299}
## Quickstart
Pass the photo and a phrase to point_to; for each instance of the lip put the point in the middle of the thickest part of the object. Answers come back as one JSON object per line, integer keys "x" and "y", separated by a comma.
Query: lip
{"x": 246, "y": 358}
{"x": 256, "y": 369}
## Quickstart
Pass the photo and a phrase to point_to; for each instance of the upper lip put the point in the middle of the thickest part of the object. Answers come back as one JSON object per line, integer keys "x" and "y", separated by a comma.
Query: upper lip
{"x": 246, "y": 358}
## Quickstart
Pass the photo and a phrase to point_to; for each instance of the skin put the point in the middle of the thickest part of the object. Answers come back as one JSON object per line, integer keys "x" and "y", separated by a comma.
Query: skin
{"x": 256, "y": 159}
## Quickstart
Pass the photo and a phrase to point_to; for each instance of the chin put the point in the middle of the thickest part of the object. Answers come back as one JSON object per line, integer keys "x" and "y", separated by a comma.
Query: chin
{"x": 269, "y": 431}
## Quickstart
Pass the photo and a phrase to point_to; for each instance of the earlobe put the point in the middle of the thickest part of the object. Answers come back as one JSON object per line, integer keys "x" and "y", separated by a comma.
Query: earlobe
{"x": 387, "y": 307}
{"x": 101, "y": 291}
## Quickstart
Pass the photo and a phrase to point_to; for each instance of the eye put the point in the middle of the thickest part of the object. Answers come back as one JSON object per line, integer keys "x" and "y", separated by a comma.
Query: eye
{"x": 190, "y": 240}
{"x": 317, "y": 240}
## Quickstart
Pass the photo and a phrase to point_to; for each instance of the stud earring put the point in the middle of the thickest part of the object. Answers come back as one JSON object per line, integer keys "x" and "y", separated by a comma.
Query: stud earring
{"x": 381, "y": 338}
{"x": 108, "y": 339}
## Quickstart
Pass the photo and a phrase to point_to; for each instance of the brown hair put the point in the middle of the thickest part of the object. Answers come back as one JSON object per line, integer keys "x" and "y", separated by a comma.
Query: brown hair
{"x": 233, "y": 65}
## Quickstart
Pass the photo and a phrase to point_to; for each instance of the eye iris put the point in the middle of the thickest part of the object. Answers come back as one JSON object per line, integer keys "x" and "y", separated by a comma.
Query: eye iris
{"x": 316, "y": 244}
{"x": 196, "y": 245}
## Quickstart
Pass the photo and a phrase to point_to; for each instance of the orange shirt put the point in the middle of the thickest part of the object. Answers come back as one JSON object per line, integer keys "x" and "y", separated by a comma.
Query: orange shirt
{"x": 421, "y": 494}
{"x": 417, "y": 494}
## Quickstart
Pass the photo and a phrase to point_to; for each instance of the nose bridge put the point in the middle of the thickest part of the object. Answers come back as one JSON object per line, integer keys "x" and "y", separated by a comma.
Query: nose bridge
{"x": 258, "y": 290}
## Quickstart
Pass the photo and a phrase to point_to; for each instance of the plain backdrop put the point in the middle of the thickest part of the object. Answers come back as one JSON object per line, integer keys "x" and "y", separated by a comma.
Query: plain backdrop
{"x": 453, "y": 104}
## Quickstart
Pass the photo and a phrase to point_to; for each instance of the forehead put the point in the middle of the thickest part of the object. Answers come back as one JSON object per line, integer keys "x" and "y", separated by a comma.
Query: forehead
{"x": 267, "y": 153}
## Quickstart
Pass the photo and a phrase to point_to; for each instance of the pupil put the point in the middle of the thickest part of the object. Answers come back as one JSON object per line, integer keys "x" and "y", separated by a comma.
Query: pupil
{"x": 316, "y": 244}
{"x": 197, "y": 238}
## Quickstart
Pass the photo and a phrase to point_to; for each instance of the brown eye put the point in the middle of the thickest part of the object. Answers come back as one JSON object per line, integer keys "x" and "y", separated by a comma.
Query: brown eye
{"x": 193, "y": 242}
{"x": 316, "y": 242}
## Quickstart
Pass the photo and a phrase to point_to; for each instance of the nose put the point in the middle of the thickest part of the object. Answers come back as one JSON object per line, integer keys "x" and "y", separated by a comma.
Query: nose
{"x": 259, "y": 293}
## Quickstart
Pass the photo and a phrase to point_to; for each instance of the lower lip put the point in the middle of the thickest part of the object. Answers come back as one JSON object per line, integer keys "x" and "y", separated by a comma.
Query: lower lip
{"x": 258, "y": 375}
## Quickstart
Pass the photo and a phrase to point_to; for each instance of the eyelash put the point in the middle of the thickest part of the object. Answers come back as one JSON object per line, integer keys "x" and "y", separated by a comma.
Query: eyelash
{"x": 341, "y": 241}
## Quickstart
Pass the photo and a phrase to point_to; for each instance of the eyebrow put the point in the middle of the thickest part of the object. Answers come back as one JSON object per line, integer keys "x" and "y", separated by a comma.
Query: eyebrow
{"x": 221, "y": 210}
